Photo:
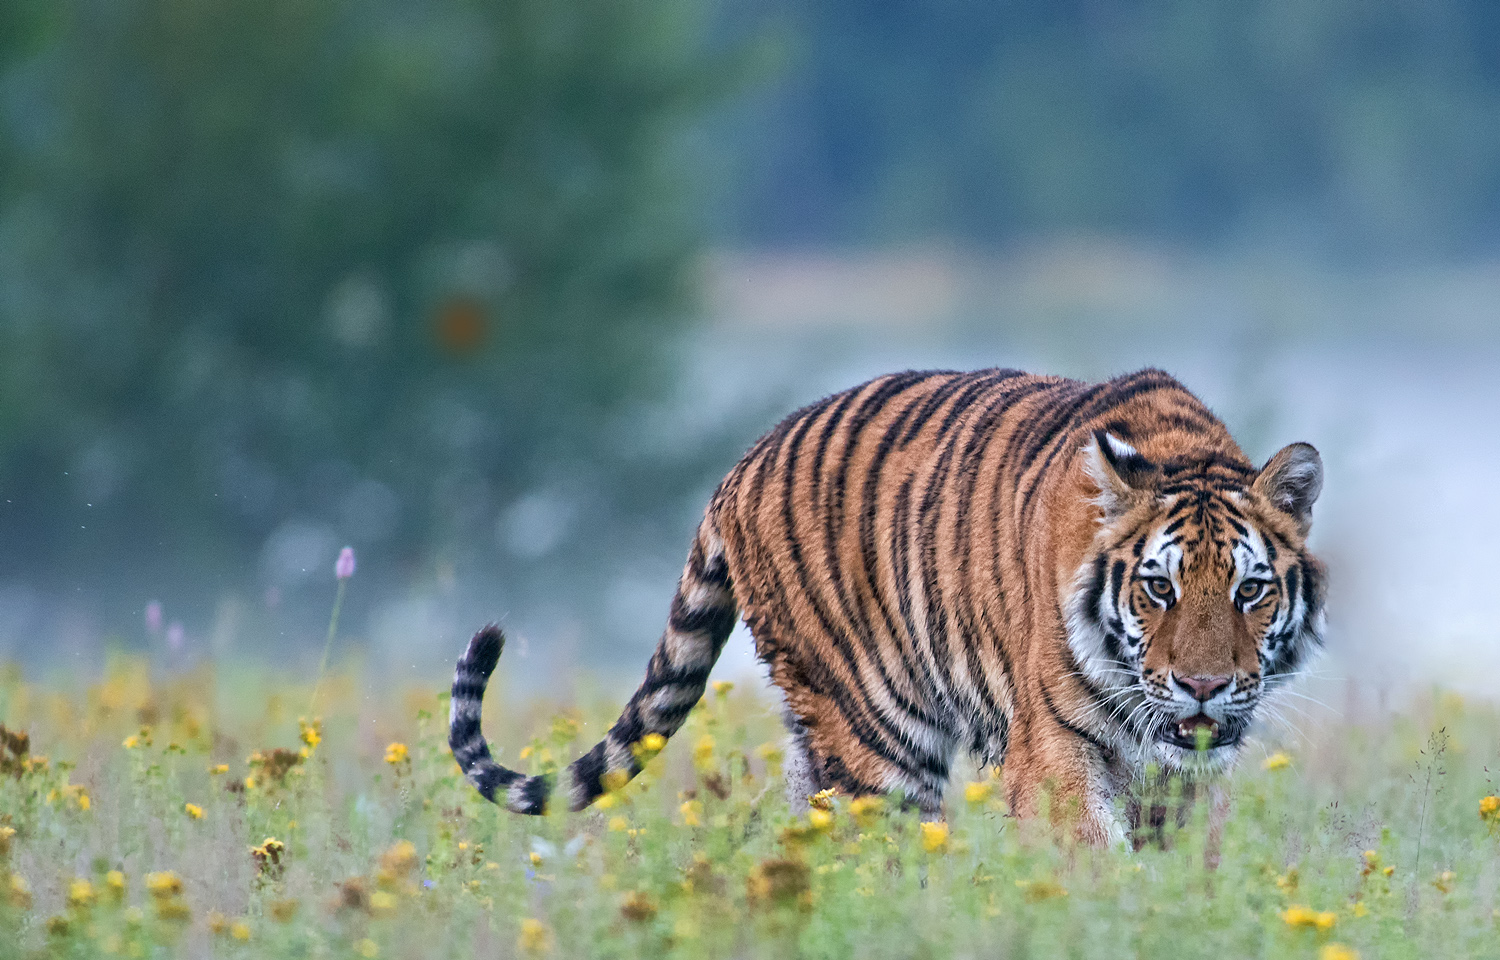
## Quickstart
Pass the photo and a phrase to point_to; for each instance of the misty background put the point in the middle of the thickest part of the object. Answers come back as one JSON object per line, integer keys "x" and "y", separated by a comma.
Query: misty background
{"x": 496, "y": 293}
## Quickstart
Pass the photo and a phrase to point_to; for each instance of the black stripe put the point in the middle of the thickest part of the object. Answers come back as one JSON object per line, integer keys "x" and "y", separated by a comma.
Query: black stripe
{"x": 871, "y": 572}
{"x": 854, "y": 613}
{"x": 852, "y": 710}
{"x": 1100, "y": 745}
{"x": 659, "y": 678}
{"x": 534, "y": 794}
{"x": 934, "y": 401}
{"x": 588, "y": 773}
{"x": 976, "y": 449}
{"x": 714, "y": 620}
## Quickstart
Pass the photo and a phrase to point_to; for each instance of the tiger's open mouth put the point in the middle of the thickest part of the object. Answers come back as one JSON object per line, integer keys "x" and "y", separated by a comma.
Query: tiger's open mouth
{"x": 1186, "y": 733}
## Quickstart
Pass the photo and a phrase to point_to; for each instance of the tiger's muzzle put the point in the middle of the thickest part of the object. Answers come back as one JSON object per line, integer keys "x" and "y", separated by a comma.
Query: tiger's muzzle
{"x": 1201, "y": 731}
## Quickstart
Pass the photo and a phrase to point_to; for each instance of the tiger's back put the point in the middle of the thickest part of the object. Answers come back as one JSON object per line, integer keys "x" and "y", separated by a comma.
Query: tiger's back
{"x": 909, "y": 556}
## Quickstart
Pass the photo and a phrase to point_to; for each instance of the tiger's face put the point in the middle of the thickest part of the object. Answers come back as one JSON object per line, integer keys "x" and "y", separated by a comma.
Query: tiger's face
{"x": 1198, "y": 599}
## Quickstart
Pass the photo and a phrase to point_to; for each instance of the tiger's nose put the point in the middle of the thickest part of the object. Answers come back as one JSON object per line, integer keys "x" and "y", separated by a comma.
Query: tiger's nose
{"x": 1202, "y": 688}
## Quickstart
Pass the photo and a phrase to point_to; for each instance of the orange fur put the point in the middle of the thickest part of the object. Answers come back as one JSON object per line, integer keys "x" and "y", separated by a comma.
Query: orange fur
{"x": 1045, "y": 572}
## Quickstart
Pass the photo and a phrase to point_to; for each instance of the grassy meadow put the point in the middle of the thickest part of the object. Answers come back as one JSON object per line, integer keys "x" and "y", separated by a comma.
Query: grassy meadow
{"x": 213, "y": 814}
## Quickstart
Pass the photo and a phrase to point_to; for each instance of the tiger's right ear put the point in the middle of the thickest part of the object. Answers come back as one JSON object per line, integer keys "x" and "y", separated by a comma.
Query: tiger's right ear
{"x": 1123, "y": 476}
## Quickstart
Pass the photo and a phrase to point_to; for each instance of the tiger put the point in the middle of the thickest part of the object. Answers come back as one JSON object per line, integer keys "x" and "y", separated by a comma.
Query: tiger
{"x": 1076, "y": 582}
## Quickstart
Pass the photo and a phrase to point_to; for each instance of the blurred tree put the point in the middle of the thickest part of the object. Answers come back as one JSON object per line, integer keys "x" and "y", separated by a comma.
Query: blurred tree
{"x": 277, "y": 275}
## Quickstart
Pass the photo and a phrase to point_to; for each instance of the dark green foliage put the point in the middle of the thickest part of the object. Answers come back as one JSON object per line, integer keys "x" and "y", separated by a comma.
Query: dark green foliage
{"x": 376, "y": 265}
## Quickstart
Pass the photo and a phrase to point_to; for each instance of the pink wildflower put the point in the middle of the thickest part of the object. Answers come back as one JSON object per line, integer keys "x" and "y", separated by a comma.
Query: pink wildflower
{"x": 344, "y": 569}
{"x": 153, "y": 616}
{"x": 175, "y": 636}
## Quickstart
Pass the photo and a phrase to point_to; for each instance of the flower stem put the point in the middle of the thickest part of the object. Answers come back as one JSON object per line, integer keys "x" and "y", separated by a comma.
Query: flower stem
{"x": 333, "y": 629}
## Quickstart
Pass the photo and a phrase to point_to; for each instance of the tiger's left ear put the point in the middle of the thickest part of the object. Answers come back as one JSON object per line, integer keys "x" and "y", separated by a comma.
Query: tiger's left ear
{"x": 1123, "y": 476}
{"x": 1292, "y": 481}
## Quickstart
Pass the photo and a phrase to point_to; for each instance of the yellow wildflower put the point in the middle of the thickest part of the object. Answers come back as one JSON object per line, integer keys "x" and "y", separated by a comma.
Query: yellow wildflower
{"x": 311, "y": 733}
{"x": 614, "y": 780}
{"x": 395, "y": 753}
{"x": 1299, "y": 916}
{"x": 1277, "y": 761}
{"x": 1489, "y": 808}
{"x": 722, "y": 687}
{"x": 703, "y": 752}
{"x": 400, "y": 859}
{"x": 131, "y": 742}
{"x": 866, "y": 810}
{"x": 80, "y": 894}
{"x": 692, "y": 813}
{"x": 217, "y": 923}
{"x": 934, "y": 836}
{"x": 822, "y": 800}
{"x": 114, "y": 883}
{"x": 72, "y": 792}
{"x": 618, "y": 824}
{"x": 535, "y": 937}
{"x": 382, "y": 902}
{"x": 267, "y": 856}
{"x": 536, "y": 859}
{"x": 648, "y": 746}
{"x": 239, "y": 930}
{"x": 1337, "y": 951}
{"x": 218, "y": 769}
{"x": 975, "y": 794}
{"x": 367, "y": 948}
{"x": 6, "y": 833}
{"x": 820, "y": 819}
{"x": 163, "y": 885}
{"x": 770, "y": 753}
{"x": 193, "y": 810}
{"x": 1444, "y": 881}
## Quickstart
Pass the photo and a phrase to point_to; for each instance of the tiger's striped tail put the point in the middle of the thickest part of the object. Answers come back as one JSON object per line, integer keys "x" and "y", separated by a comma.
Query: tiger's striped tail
{"x": 703, "y": 614}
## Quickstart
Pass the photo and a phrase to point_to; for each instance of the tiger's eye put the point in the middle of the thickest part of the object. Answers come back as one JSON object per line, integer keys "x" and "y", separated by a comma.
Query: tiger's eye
{"x": 1160, "y": 586}
{"x": 1251, "y": 590}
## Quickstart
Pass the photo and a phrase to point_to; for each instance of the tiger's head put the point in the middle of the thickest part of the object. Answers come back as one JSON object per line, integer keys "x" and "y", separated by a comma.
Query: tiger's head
{"x": 1197, "y": 599}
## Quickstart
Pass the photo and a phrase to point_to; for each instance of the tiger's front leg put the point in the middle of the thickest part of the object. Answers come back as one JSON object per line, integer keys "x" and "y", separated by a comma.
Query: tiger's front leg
{"x": 1056, "y": 767}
